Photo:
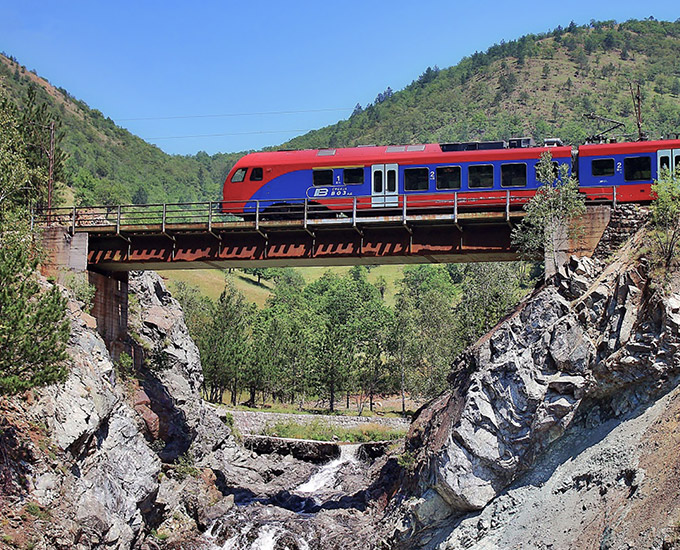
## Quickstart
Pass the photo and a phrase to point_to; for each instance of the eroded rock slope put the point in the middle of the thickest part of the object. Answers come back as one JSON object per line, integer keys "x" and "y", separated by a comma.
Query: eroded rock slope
{"x": 586, "y": 355}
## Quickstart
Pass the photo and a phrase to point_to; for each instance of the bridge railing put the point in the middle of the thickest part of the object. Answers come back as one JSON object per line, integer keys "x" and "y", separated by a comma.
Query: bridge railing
{"x": 358, "y": 208}
{"x": 199, "y": 215}
{"x": 134, "y": 215}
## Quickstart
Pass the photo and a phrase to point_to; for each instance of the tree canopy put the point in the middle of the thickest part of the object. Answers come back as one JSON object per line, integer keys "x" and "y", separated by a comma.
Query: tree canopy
{"x": 336, "y": 338}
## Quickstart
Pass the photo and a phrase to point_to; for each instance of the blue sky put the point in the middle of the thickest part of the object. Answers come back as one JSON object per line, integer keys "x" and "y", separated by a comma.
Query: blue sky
{"x": 313, "y": 60}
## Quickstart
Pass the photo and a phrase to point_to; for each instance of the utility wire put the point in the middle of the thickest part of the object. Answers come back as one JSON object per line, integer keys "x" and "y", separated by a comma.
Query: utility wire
{"x": 232, "y": 134}
{"x": 235, "y": 114}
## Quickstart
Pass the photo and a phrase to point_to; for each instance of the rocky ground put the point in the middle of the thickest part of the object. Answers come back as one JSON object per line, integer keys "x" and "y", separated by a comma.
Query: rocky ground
{"x": 131, "y": 457}
{"x": 615, "y": 484}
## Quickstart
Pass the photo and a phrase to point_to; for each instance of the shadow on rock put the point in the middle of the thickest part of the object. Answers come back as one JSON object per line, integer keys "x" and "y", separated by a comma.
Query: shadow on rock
{"x": 173, "y": 427}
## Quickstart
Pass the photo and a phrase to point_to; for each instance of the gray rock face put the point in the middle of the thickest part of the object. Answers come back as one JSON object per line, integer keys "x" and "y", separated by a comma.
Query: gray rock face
{"x": 117, "y": 482}
{"x": 104, "y": 488}
{"x": 113, "y": 473}
{"x": 587, "y": 336}
{"x": 173, "y": 372}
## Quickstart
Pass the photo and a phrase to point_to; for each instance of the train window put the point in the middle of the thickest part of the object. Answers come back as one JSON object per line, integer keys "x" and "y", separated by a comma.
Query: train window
{"x": 514, "y": 175}
{"x": 323, "y": 177}
{"x": 391, "y": 181}
{"x": 256, "y": 174}
{"x": 416, "y": 179}
{"x": 480, "y": 176}
{"x": 448, "y": 177}
{"x": 354, "y": 176}
{"x": 603, "y": 167}
{"x": 637, "y": 168}
{"x": 665, "y": 162}
{"x": 239, "y": 175}
{"x": 378, "y": 181}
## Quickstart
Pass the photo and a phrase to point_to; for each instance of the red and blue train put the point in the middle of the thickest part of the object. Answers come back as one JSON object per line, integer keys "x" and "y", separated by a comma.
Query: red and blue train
{"x": 486, "y": 174}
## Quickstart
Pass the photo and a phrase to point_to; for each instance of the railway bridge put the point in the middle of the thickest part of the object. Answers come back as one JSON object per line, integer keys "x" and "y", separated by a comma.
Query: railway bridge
{"x": 108, "y": 242}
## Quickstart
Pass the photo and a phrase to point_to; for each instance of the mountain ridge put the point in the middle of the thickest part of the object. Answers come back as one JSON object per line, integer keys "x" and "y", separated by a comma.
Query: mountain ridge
{"x": 538, "y": 85}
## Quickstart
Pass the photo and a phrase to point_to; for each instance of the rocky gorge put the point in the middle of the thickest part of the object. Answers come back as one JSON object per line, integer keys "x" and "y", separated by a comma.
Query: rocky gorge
{"x": 129, "y": 455}
{"x": 560, "y": 430}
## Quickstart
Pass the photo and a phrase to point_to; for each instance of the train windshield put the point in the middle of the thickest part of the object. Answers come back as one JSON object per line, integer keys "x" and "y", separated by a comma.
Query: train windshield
{"x": 239, "y": 175}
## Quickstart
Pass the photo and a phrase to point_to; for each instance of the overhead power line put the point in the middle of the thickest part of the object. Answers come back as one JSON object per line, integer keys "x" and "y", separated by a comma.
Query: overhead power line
{"x": 236, "y": 114}
{"x": 232, "y": 134}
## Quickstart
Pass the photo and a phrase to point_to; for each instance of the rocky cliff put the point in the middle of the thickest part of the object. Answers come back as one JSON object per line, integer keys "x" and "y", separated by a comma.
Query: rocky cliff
{"x": 555, "y": 421}
{"x": 77, "y": 471}
{"x": 103, "y": 459}
{"x": 127, "y": 455}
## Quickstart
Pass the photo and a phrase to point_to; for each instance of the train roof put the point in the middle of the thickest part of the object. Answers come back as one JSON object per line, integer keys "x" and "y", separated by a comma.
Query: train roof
{"x": 599, "y": 149}
{"x": 427, "y": 153}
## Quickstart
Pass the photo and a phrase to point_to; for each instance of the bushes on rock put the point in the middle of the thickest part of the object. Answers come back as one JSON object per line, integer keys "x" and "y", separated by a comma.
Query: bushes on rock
{"x": 665, "y": 219}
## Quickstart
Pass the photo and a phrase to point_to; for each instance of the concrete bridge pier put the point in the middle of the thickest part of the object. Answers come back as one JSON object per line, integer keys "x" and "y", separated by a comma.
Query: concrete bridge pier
{"x": 587, "y": 233}
{"x": 66, "y": 254}
{"x": 110, "y": 309}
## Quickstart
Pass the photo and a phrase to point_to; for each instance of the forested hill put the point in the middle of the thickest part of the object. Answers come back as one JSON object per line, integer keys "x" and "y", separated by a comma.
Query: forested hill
{"x": 538, "y": 85}
{"x": 107, "y": 164}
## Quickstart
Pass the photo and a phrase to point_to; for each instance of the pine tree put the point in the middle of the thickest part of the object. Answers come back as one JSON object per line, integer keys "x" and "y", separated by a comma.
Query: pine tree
{"x": 33, "y": 331}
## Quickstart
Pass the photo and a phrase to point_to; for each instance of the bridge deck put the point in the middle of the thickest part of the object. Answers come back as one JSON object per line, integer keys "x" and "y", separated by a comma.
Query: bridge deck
{"x": 200, "y": 235}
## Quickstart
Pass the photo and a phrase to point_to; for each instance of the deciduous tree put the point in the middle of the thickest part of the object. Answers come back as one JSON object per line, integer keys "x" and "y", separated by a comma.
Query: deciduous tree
{"x": 551, "y": 215}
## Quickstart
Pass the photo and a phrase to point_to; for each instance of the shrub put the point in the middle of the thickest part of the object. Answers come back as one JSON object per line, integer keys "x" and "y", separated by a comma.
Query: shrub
{"x": 159, "y": 535}
{"x": 665, "y": 219}
{"x": 407, "y": 461}
{"x": 184, "y": 467}
{"x": 125, "y": 365}
{"x": 80, "y": 289}
{"x": 36, "y": 511}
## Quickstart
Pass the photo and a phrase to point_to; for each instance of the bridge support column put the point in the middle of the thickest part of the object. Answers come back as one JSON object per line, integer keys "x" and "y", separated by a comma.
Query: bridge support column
{"x": 588, "y": 232}
{"x": 67, "y": 254}
{"x": 110, "y": 309}
{"x": 63, "y": 252}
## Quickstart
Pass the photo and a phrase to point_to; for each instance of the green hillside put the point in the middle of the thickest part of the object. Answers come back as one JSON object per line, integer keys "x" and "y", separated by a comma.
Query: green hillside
{"x": 107, "y": 164}
{"x": 537, "y": 85}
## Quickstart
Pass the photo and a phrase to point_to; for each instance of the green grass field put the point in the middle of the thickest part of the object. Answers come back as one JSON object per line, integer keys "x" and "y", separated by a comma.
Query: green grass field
{"x": 318, "y": 430}
{"x": 211, "y": 281}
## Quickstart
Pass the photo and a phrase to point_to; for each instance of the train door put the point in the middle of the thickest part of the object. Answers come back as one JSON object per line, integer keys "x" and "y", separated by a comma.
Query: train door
{"x": 668, "y": 159}
{"x": 384, "y": 185}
